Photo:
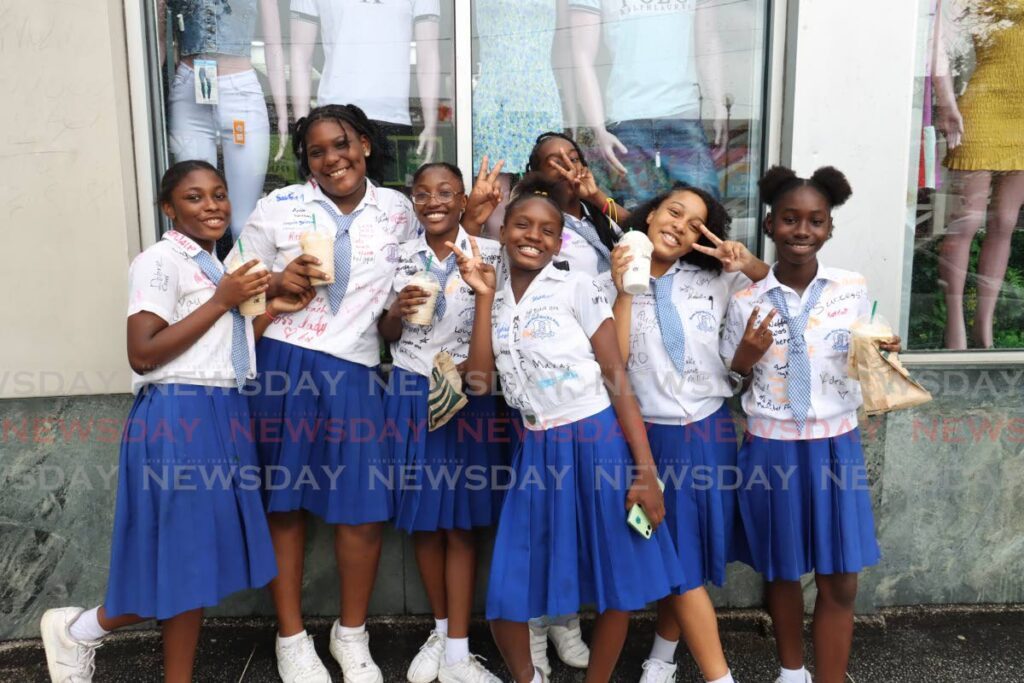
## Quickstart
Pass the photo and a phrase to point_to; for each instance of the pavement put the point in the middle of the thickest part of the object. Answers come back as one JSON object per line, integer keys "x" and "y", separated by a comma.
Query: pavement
{"x": 919, "y": 644}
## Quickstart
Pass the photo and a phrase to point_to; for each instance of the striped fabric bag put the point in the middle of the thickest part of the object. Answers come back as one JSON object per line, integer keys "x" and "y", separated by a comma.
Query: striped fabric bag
{"x": 446, "y": 397}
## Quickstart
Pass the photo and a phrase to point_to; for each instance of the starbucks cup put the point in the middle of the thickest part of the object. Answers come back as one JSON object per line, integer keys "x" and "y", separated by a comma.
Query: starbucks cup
{"x": 320, "y": 245}
{"x": 866, "y": 335}
{"x": 424, "y": 315}
{"x": 257, "y": 305}
{"x": 637, "y": 280}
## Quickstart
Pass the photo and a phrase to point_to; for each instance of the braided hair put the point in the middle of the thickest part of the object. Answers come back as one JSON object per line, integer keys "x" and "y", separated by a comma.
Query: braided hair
{"x": 380, "y": 147}
{"x": 718, "y": 222}
{"x": 597, "y": 216}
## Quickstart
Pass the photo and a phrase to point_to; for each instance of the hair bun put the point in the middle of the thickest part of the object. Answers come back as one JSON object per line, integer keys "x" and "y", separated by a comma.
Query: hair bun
{"x": 773, "y": 181}
{"x": 834, "y": 183}
{"x": 536, "y": 184}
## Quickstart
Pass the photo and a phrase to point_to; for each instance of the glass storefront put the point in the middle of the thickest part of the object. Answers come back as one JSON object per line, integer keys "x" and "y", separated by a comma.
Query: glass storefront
{"x": 967, "y": 285}
{"x": 653, "y": 91}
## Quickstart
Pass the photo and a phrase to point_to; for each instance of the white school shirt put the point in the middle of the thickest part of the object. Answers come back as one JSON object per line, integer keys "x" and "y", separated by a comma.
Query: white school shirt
{"x": 542, "y": 348}
{"x": 272, "y": 235}
{"x": 166, "y": 280}
{"x": 416, "y": 349}
{"x": 366, "y": 52}
{"x": 576, "y": 251}
{"x": 701, "y": 297}
{"x": 834, "y": 396}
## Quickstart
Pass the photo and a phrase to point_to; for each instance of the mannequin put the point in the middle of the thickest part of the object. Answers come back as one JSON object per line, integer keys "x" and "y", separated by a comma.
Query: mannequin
{"x": 370, "y": 72}
{"x": 194, "y": 129}
{"x": 525, "y": 55}
{"x": 984, "y": 133}
{"x": 648, "y": 126}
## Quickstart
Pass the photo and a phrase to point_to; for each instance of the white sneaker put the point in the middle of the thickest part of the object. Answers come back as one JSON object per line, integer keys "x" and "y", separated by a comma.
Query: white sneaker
{"x": 353, "y": 656}
{"x": 569, "y": 644}
{"x": 427, "y": 661}
{"x": 67, "y": 659}
{"x": 469, "y": 670}
{"x": 658, "y": 671}
{"x": 298, "y": 662}
{"x": 539, "y": 649}
{"x": 807, "y": 678}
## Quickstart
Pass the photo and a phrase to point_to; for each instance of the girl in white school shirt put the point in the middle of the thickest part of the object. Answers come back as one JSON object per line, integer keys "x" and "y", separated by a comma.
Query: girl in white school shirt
{"x": 669, "y": 338}
{"x": 329, "y": 354}
{"x": 444, "y": 490}
{"x": 180, "y": 545}
{"x": 562, "y": 538}
{"x": 788, "y": 337}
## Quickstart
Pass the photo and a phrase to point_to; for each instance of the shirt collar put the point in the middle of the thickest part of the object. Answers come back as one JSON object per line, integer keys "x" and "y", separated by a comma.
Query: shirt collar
{"x": 311, "y": 192}
{"x": 771, "y": 282}
{"x": 461, "y": 241}
{"x": 182, "y": 243}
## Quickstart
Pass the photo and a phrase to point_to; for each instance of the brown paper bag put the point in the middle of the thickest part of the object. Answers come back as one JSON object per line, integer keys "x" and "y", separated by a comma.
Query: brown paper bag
{"x": 885, "y": 384}
{"x": 446, "y": 397}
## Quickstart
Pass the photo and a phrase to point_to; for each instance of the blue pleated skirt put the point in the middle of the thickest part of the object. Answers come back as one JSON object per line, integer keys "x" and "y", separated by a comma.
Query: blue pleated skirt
{"x": 443, "y": 478}
{"x": 697, "y": 464}
{"x": 806, "y": 506}
{"x": 189, "y": 526}
{"x": 319, "y": 428}
{"x": 562, "y": 538}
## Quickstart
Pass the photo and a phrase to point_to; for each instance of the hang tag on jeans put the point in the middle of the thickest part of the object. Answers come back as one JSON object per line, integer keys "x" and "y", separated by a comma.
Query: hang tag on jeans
{"x": 206, "y": 81}
{"x": 238, "y": 130}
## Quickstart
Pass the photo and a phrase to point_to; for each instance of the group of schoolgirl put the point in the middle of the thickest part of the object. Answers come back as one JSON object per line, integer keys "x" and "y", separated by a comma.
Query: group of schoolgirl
{"x": 546, "y": 301}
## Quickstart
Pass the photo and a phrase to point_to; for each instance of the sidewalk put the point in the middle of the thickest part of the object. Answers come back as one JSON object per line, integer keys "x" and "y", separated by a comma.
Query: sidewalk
{"x": 933, "y": 645}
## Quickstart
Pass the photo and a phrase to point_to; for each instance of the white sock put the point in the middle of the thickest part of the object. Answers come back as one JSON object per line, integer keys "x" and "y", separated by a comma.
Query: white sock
{"x": 793, "y": 675}
{"x": 455, "y": 650}
{"x": 87, "y": 626}
{"x": 564, "y": 619}
{"x": 441, "y": 626}
{"x": 664, "y": 650}
{"x": 727, "y": 678}
{"x": 536, "y": 676}
{"x": 342, "y": 631}
{"x": 539, "y": 622}
{"x": 285, "y": 641}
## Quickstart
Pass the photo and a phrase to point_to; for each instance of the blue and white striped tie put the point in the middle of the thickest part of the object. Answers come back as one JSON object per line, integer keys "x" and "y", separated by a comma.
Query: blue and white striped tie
{"x": 669, "y": 322}
{"x": 798, "y": 378}
{"x": 239, "y": 345}
{"x": 449, "y": 267}
{"x": 342, "y": 254}
{"x": 585, "y": 229}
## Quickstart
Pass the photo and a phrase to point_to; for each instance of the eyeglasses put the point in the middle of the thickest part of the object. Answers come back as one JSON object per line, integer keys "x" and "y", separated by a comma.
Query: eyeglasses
{"x": 444, "y": 197}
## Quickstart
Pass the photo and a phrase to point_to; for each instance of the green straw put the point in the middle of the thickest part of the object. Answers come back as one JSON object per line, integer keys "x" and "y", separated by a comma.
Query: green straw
{"x": 314, "y": 222}
{"x": 241, "y": 248}
{"x": 430, "y": 259}
{"x": 874, "y": 307}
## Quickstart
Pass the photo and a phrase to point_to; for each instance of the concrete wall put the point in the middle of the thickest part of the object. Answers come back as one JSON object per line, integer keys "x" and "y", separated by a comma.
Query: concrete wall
{"x": 69, "y": 212}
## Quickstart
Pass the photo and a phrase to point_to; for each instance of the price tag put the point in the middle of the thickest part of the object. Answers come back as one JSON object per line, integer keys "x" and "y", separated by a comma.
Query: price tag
{"x": 206, "y": 81}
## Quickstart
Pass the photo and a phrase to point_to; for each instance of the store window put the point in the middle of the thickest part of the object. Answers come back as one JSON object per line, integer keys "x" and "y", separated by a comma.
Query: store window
{"x": 654, "y": 91}
{"x": 968, "y": 258}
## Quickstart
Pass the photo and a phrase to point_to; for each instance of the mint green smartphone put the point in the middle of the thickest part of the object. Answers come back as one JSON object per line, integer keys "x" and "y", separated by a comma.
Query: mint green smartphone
{"x": 637, "y": 518}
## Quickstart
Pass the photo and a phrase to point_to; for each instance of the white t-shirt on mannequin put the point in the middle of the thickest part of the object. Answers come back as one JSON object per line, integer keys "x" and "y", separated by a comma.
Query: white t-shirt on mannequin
{"x": 366, "y": 52}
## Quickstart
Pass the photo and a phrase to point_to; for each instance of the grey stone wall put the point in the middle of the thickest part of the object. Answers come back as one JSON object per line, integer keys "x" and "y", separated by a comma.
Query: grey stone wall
{"x": 947, "y": 481}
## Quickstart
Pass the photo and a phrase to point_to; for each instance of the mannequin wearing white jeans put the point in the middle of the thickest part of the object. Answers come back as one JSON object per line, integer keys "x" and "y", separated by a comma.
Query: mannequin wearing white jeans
{"x": 196, "y": 129}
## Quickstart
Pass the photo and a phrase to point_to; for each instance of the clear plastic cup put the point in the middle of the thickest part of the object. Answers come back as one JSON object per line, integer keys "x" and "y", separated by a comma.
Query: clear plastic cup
{"x": 320, "y": 245}
{"x": 257, "y": 305}
{"x": 424, "y": 315}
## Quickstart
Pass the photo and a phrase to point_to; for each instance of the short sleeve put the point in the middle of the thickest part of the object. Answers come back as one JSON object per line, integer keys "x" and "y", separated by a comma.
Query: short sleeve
{"x": 404, "y": 270}
{"x": 735, "y": 282}
{"x": 607, "y": 284}
{"x": 153, "y": 283}
{"x": 424, "y": 9}
{"x": 732, "y": 332}
{"x": 593, "y": 5}
{"x": 863, "y": 300}
{"x": 257, "y": 239}
{"x": 307, "y": 7}
{"x": 403, "y": 216}
{"x": 591, "y": 305}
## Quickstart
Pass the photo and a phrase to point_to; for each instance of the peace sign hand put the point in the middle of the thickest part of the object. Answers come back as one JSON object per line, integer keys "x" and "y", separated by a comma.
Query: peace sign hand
{"x": 734, "y": 255}
{"x": 579, "y": 176}
{"x": 485, "y": 196}
{"x": 480, "y": 276}
{"x": 757, "y": 339}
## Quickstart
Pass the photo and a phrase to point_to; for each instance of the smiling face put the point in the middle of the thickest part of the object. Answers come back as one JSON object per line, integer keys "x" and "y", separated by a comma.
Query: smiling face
{"x": 674, "y": 227}
{"x": 800, "y": 223}
{"x": 439, "y": 217}
{"x": 336, "y": 156}
{"x": 199, "y": 206}
{"x": 532, "y": 234}
{"x": 549, "y": 153}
